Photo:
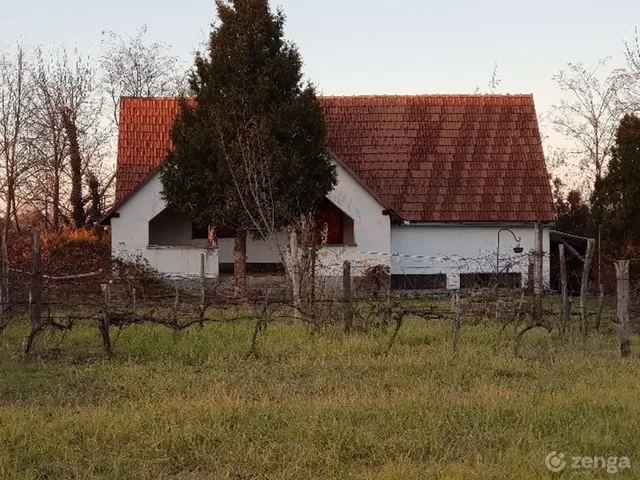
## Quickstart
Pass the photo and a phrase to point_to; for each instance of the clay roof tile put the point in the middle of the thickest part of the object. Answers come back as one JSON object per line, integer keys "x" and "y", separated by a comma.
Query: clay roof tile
{"x": 442, "y": 150}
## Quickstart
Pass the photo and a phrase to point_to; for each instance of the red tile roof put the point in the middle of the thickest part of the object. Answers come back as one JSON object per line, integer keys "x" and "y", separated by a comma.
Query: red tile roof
{"x": 432, "y": 158}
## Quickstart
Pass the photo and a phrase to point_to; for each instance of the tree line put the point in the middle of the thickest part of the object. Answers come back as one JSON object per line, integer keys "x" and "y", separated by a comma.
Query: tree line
{"x": 596, "y": 180}
{"x": 58, "y": 125}
{"x": 248, "y": 154}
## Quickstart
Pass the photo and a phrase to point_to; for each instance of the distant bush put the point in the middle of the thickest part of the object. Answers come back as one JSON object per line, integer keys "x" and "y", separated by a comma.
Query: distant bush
{"x": 71, "y": 252}
{"x": 375, "y": 282}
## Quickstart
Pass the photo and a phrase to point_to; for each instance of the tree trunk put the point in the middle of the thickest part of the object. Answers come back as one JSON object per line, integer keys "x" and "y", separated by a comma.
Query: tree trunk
{"x": 240, "y": 265}
{"x": 16, "y": 221}
{"x": 584, "y": 286}
{"x": 5, "y": 240}
{"x": 75, "y": 161}
{"x": 55, "y": 200}
{"x": 7, "y": 208}
{"x": 3, "y": 279}
{"x": 314, "y": 258}
{"x": 294, "y": 273}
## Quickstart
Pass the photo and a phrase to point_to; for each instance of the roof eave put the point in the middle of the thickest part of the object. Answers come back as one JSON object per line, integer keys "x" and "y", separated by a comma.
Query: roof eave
{"x": 387, "y": 209}
{"x": 506, "y": 223}
{"x": 106, "y": 218}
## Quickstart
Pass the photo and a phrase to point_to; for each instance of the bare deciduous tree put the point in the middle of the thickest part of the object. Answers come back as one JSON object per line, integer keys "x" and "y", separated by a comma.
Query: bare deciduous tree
{"x": 132, "y": 67}
{"x": 70, "y": 85}
{"x": 630, "y": 76}
{"x": 14, "y": 95}
{"x": 255, "y": 185}
{"x": 493, "y": 84}
{"x": 588, "y": 117}
{"x": 36, "y": 172}
{"x": 75, "y": 161}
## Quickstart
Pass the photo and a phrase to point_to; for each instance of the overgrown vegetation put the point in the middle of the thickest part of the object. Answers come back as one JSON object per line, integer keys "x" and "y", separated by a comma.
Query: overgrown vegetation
{"x": 68, "y": 253}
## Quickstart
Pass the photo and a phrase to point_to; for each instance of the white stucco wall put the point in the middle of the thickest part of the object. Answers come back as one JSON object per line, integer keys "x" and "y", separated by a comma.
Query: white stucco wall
{"x": 372, "y": 229}
{"x": 375, "y": 240}
{"x": 183, "y": 261}
{"x": 130, "y": 237}
{"x": 371, "y": 232}
{"x": 258, "y": 251}
{"x": 474, "y": 246}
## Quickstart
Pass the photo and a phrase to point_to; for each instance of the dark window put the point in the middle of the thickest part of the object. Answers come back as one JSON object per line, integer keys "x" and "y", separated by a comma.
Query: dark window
{"x": 419, "y": 282}
{"x": 254, "y": 268}
{"x": 198, "y": 232}
{"x": 487, "y": 280}
{"x": 225, "y": 232}
{"x": 329, "y": 219}
{"x": 333, "y": 222}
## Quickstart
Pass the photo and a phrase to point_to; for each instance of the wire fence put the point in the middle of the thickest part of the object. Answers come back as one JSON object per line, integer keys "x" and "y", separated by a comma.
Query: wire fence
{"x": 366, "y": 295}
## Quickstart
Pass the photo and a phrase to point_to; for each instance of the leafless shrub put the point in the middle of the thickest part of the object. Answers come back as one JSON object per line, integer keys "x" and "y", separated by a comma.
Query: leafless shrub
{"x": 374, "y": 283}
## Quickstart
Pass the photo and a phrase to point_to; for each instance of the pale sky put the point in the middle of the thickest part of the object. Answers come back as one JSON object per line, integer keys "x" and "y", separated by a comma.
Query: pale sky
{"x": 371, "y": 46}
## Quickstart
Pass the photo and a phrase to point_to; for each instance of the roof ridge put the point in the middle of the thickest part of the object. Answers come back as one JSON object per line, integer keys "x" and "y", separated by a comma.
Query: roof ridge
{"x": 134, "y": 97}
{"x": 429, "y": 95}
{"x": 368, "y": 96}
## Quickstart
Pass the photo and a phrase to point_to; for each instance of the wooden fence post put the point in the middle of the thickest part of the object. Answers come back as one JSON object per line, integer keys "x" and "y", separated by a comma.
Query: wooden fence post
{"x": 203, "y": 289}
{"x": 566, "y": 305}
{"x": 537, "y": 271}
{"x": 346, "y": 295}
{"x": 584, "y": 286}
{"x": 600, "y": 306}
{"x": 36, "y": 279}
{"x": 622, "y": 274}
{"x": 106, "y": 320}
{"x": 4, "y": 274}
{"x": 600, "y": 284}
{"x": 456, "y": 321}
{"x": 35, "y": 294}
{"x": 176, "y": 303}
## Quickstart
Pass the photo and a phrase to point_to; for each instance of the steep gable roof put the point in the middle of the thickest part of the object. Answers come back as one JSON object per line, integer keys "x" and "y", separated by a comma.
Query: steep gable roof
{"x": 432, "y": 158}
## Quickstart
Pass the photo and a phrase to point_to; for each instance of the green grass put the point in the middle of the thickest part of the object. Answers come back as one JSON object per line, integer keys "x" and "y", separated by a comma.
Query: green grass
{"x": 313, "y": 406}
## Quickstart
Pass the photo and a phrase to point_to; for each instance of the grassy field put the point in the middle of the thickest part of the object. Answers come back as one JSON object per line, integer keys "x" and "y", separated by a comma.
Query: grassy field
{"x": 314, "y": 406}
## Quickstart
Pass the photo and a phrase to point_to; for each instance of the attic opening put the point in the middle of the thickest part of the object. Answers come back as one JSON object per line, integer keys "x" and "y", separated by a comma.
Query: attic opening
{"x": 333, "y": 226}
{"x": 171, "y": 228}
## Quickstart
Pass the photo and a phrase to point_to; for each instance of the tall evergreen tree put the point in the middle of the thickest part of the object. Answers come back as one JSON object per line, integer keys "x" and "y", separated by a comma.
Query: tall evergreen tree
{"x": 573, "y": 213}
{"x": 249, "y": 149}
{"x": 616, "y": 198}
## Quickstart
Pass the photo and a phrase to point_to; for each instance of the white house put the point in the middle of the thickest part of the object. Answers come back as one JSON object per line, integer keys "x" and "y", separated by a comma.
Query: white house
{"x": 428, "y": 185}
